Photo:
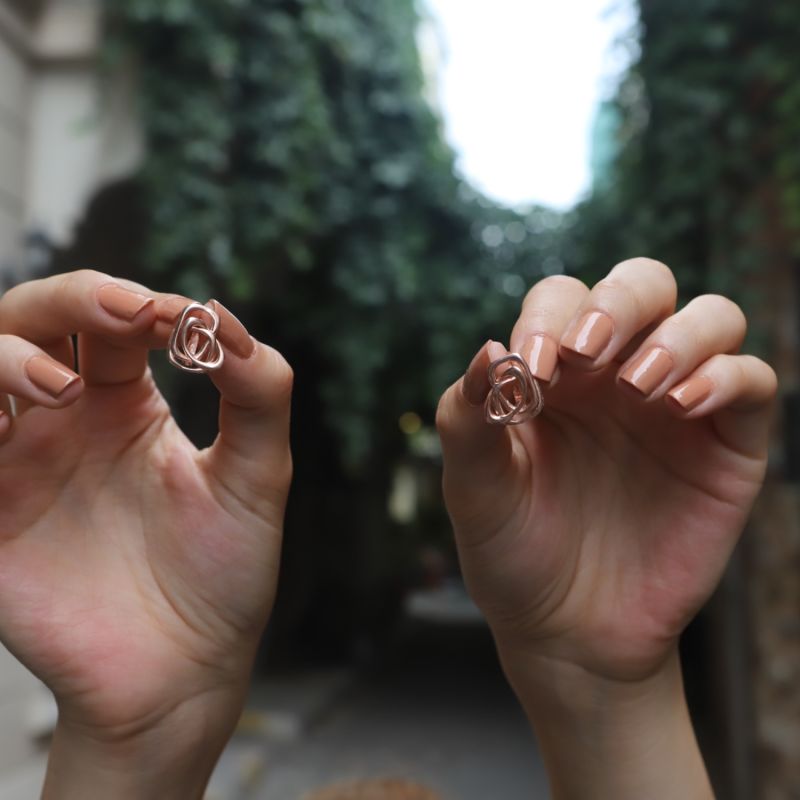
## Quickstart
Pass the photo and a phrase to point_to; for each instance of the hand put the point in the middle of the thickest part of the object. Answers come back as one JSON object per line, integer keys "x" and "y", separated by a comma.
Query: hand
{"x": 136, "y": 573}
{"x": 591, "y": 535}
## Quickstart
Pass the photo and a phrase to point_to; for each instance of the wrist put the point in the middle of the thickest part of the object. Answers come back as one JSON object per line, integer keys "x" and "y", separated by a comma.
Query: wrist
{"x": 171, "y": 758}
{"x": 602, "y": 737}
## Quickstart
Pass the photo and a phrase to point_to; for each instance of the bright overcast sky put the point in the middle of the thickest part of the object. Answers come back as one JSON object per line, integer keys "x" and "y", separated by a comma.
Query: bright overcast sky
{"x": 519, "y": 81}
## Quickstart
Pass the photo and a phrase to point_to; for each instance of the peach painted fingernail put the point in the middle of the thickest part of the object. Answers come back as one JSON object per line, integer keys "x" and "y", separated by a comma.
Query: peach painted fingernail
{"x": 646, "y": 372}
{"x": 232, "y": 333}
{"x": 122, "y": 303}
{"x": 169, "y": 309}
{"x": 691, "y": 393}
{"x": 50, "y": 376}
{"x": 543, "y": 356}
{"x": 591, "y": 334}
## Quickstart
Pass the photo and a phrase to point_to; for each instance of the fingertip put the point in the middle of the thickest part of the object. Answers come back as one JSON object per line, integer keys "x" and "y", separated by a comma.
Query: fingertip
{"x": 281, "y": 372}
{"x": 475, "y": 382}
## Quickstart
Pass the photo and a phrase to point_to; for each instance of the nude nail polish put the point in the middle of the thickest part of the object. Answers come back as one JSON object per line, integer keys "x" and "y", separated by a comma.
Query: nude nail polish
{"x": 5, "y": 423}
{"x": 50, "y": 376}
{"x": 170, "y": 308}
{"x": 232, "y": 333}
{"x": 646, "y": 373}
{"x": 691, "y": 393}
{"x": 591, "y": 334}
{"x": 542, "y": 356}
{"x": 122, "y": 303}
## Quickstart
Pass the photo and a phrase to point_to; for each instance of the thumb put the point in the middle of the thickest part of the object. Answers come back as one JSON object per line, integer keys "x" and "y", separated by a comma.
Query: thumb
{"x": 476, "y": 455}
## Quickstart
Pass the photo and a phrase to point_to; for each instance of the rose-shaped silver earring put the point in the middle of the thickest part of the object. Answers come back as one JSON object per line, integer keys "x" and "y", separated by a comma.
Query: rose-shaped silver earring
{"x": 193, "y": 345}
{"x": 515, "y": 395}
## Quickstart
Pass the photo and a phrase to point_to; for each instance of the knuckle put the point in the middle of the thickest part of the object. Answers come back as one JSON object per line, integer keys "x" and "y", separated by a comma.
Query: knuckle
{"x": 9, "y": 341}
{"x": 612, "y": 291}
{"x": 554, "y": 282}
{"x": 81, "y": 279}
{"x": 656, "y": 268}
{"x": 659, "y": 276}
{"x": 282, "y": 375}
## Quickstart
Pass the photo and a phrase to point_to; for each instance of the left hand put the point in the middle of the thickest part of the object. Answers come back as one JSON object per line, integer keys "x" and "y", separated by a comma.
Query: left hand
{"x": 136, "y": 572}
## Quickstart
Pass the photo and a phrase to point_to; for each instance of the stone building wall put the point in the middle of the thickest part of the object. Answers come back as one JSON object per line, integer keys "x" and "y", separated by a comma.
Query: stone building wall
{"x": 15, "y": 80}
{"x": 61, "y": 139}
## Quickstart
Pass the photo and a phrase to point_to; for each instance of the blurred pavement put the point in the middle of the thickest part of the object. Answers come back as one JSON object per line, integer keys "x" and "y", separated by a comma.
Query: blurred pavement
{"x": 436, "y": 711}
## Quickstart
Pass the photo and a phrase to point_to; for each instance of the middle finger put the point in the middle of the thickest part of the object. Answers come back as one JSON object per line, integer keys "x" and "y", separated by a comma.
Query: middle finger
{"x": 636, "y": 295}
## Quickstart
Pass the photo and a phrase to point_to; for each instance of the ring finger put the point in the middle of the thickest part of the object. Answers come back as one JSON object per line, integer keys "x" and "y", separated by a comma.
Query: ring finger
{"x": 708, "y": 325}
{"x": 636, "y": 295}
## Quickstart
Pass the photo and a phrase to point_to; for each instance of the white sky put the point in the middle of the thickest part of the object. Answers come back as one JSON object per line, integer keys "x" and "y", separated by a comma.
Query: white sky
{"x": 518, "y": 85}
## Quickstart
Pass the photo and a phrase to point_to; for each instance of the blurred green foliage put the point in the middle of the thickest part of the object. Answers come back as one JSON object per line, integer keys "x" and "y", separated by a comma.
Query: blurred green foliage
{"x": 707, "y": 176}
{"x": 295, "y": 168}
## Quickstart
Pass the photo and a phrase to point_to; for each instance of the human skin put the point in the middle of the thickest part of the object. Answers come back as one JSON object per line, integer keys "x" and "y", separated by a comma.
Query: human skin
{"x": 591, "y": 535}
{"x": 136, "y": 572}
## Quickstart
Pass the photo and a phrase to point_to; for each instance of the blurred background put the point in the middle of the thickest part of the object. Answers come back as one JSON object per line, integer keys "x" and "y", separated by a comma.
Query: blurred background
{"x": 372, "y": 185}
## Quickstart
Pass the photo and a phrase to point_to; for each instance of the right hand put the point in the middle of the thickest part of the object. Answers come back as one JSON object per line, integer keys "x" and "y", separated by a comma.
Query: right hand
{"x": 591, "y": 535}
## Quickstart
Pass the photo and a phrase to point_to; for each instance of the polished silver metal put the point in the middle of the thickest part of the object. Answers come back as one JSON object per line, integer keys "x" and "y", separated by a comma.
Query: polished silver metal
{"x": 193, "y": 345}
{"x": 514, "y": 395}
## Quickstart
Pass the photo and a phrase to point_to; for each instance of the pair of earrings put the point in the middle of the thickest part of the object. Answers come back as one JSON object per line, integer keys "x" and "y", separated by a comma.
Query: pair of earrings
{"x": 514, "y": 394}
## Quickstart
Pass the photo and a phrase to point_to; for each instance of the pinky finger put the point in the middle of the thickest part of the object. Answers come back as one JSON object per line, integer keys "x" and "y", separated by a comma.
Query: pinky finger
{"x": 738, "y": 391}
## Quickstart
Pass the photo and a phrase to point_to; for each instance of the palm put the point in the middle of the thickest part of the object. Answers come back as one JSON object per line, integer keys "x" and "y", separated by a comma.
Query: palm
{"x": 122, "y": 563}
{"x": 616, "y": 524}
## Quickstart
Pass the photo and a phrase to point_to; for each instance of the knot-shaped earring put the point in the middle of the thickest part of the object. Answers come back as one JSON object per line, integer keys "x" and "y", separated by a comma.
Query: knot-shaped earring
{"x": 193, "y": 345}
{"x": 515, "y": 395}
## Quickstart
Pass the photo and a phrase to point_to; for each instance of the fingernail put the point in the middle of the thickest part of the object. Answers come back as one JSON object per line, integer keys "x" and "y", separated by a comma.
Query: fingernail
{"x": 5, "y": 423}
{"x": 169, "y": 310}
{"x": 475, "y": 384}
{"x": 122, "y": 303}
{"x": 232, "y": 333}
{"x": 591, "y": 335}
{"x": 543, "y": 356}
{"x": 646, "y": 372}
{"x": 50, "y": 376}
{"x": 691, "y": 393}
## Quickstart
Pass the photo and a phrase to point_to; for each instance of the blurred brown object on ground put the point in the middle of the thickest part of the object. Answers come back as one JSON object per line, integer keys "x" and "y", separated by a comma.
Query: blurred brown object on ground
{"x": 382, "y": 789}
